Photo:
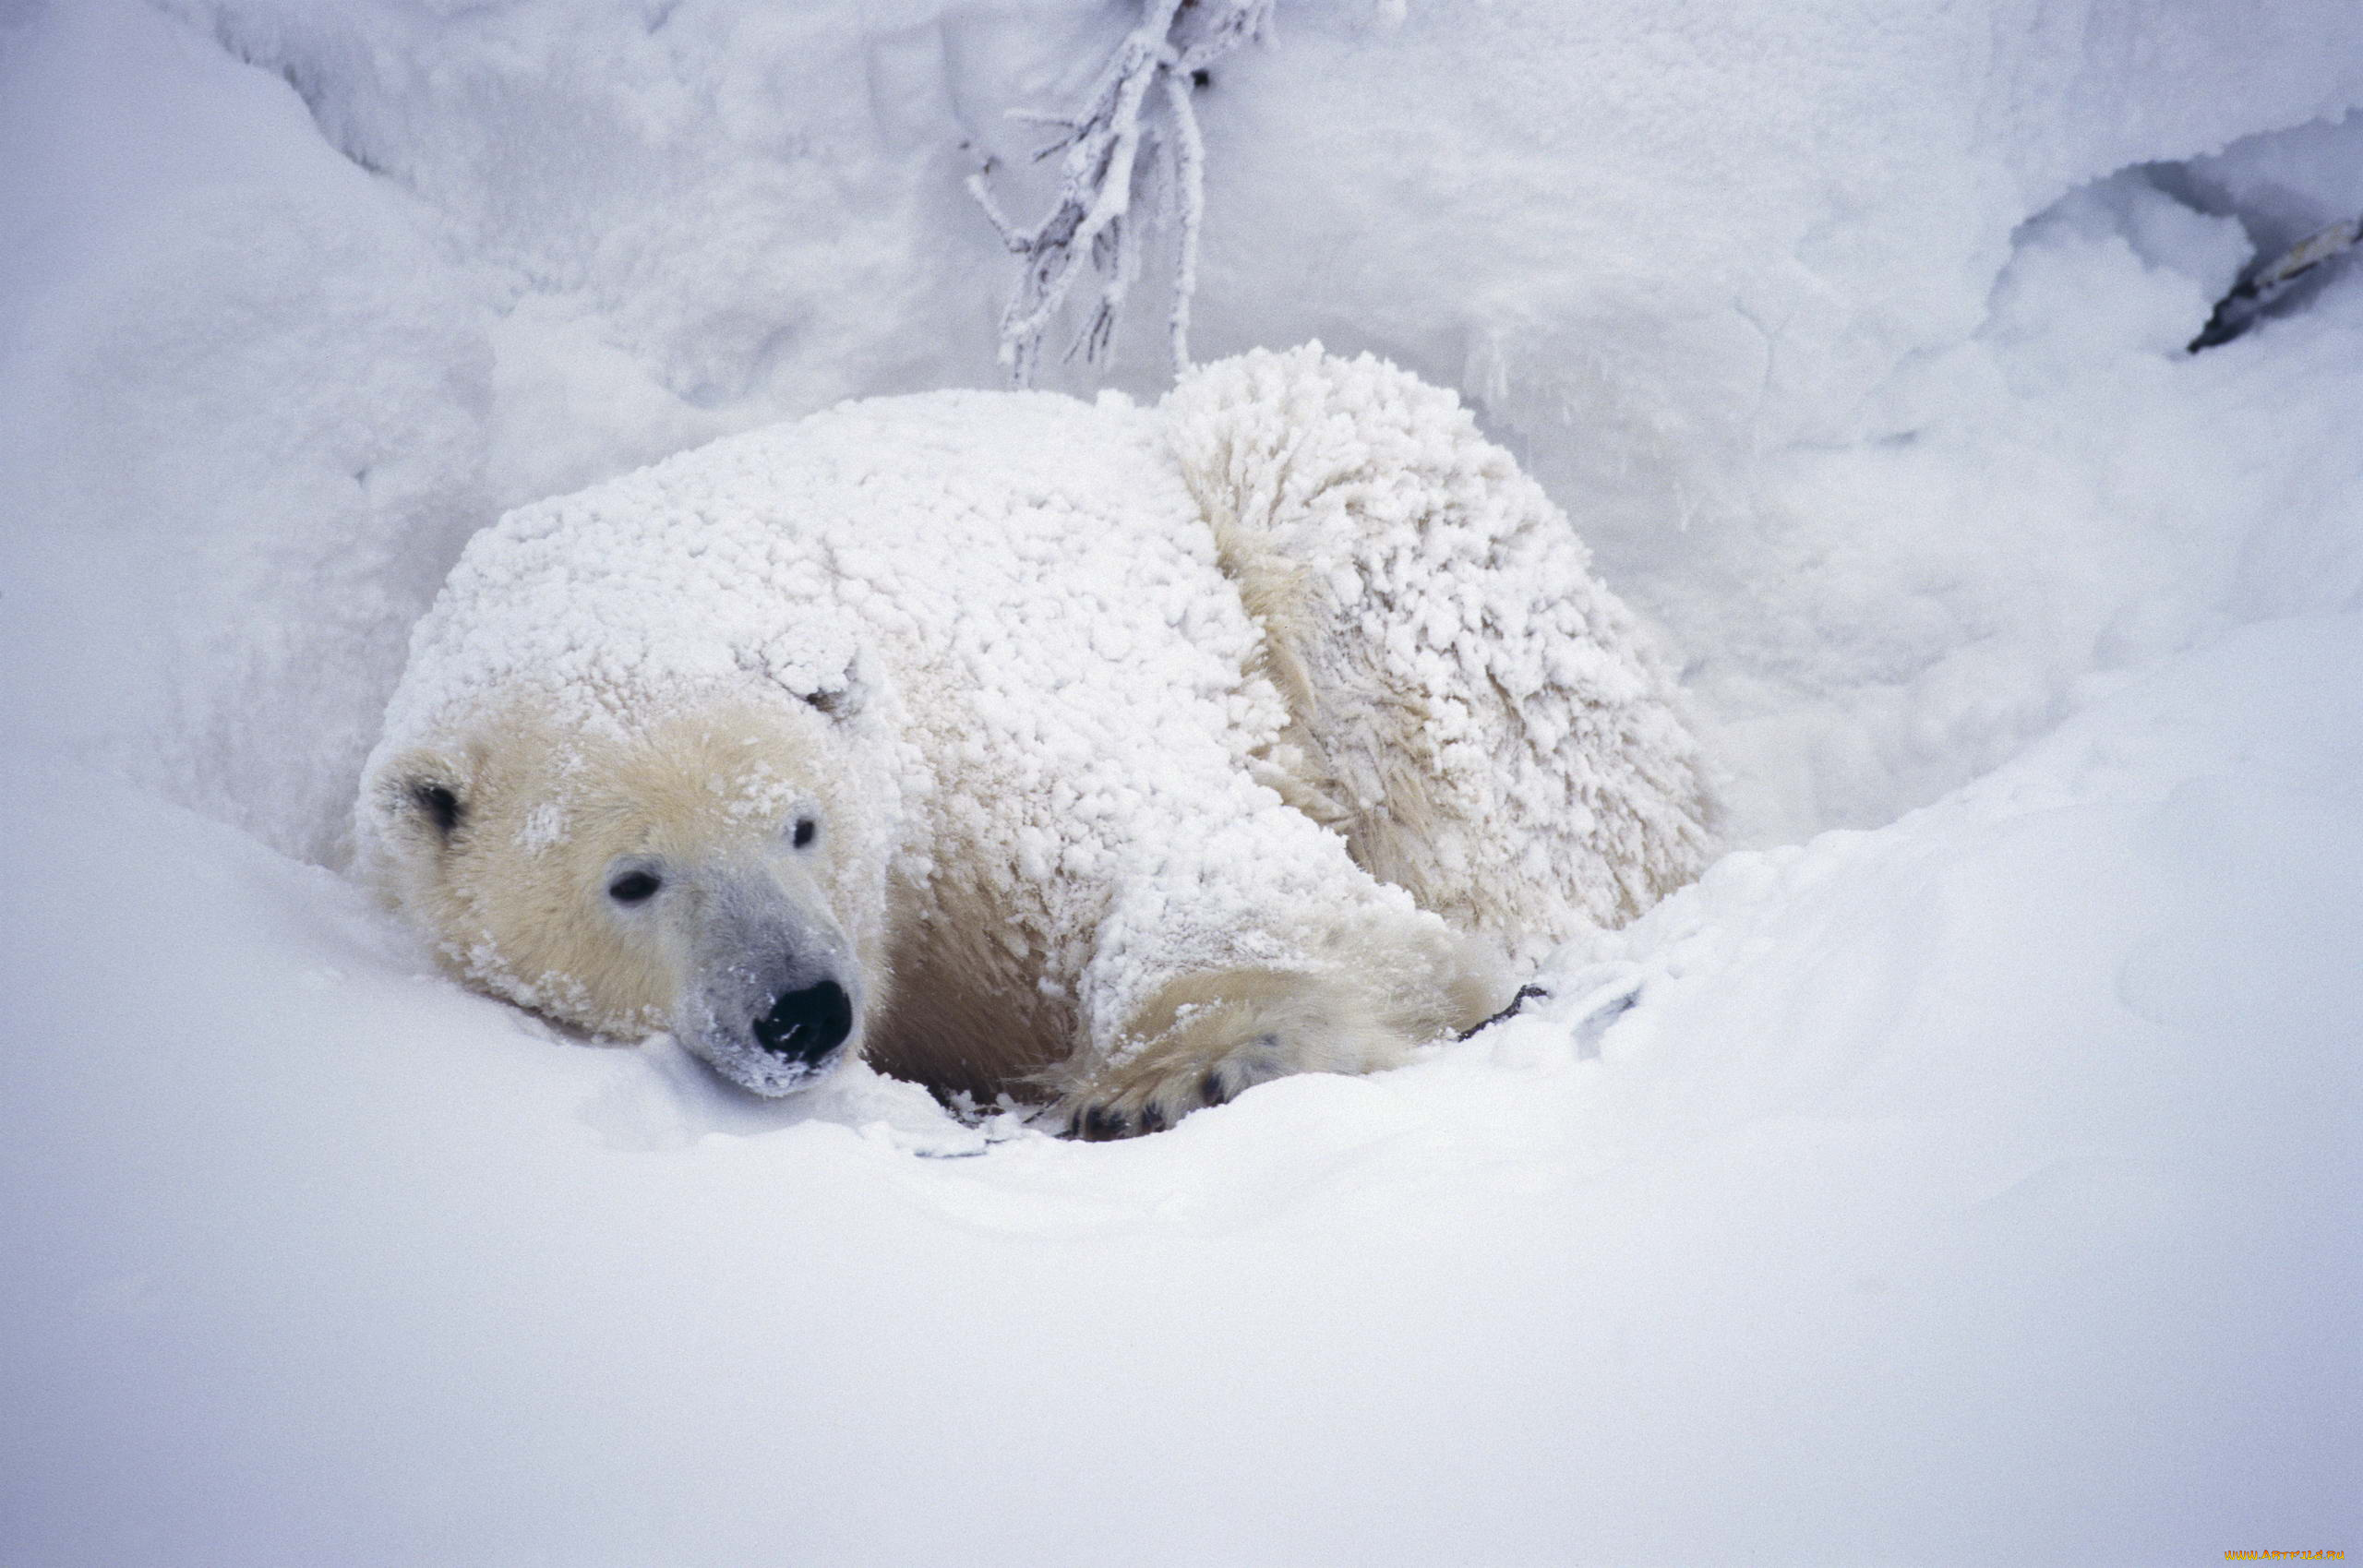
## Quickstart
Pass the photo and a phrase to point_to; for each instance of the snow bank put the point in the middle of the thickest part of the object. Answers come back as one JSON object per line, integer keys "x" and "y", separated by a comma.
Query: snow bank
{"x": 2063, "y": 499}
{"x": 241, "y": 408}
{"x": 1971, "y": 1189}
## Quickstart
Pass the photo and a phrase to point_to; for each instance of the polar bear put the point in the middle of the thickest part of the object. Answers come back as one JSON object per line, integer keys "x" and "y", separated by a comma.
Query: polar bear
{"x": 1118, "y": 757}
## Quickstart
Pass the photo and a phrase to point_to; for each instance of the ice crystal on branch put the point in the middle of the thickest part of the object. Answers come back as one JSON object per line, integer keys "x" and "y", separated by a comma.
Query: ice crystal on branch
{"x": 1119, "y": 151}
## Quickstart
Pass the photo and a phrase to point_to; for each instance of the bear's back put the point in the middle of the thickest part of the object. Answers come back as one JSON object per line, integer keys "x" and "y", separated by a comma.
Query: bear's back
{"x": 997, "y": 549}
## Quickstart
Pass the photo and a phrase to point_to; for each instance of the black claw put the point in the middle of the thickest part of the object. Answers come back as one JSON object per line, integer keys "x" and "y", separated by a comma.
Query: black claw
{"x": 1211, "y": 1090}
{"x": 1518, "y": 1005}
{"x": 1152, "y": 1119}
{"x": 1100, "y": 1124}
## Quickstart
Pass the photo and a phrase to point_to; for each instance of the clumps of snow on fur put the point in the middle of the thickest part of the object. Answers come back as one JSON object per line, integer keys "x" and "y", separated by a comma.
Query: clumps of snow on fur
{"x": 545, "y": 826}
{"x": 600, "y": 608}
{"x": 1025, "y": 574}
{"x": 1014, "y": 603}
{"x": 1511, "y": 699}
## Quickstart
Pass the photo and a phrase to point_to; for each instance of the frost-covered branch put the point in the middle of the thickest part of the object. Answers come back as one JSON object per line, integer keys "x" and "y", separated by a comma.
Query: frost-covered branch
{"x": 1115, "y": 155}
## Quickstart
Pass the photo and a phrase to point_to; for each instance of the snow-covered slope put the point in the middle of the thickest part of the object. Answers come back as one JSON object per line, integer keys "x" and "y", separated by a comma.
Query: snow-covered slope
{"x": 1977, "y": 1190}
{"x": 1972, "y": 1187}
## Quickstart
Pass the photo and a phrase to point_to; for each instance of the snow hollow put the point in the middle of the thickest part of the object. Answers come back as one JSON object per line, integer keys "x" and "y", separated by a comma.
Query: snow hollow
{"x": 1972, "y": 1178}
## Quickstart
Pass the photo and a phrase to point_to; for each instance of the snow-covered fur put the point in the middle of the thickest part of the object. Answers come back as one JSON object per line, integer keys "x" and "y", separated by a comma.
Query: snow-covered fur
{"x": 1483, "y": 722}
{"x": 1133, "y": 755}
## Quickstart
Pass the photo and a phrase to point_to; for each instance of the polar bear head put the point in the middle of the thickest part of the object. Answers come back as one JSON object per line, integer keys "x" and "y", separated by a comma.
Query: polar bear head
{"x": 717, "y": 868}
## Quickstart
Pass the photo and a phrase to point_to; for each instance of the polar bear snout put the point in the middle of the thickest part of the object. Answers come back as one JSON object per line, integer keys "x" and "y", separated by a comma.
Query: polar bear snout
{"x": 771, "y": 1036}
{"x": 769, "y": 994}
{"x": 807, "y": 1025}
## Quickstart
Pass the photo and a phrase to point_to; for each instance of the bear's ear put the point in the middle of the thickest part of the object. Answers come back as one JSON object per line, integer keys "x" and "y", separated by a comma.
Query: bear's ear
{"x": 423, "y": 797}
{"x": 835, "y": 681}
{"x": 847, "y": 695}
{"x": 440, "y": 803}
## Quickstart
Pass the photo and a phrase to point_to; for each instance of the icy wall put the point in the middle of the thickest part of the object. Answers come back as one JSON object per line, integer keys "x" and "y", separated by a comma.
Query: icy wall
{"x": 293, "y": 296}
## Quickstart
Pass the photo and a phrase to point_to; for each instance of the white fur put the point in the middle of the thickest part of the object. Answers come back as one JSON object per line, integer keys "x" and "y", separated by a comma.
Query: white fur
{"x": 1112, "y": 714}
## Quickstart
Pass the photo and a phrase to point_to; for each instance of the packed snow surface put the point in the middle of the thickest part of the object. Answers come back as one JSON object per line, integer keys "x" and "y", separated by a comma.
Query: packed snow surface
{"x": 1980, "y": 1188}
{"x": 1964, "y": 1172}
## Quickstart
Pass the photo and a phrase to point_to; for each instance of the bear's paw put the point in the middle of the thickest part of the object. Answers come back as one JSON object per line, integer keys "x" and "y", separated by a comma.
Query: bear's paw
{"x": 1204, "y": 1039}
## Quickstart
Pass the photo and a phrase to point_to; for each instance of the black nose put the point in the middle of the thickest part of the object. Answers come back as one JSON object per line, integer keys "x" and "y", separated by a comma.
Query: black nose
{"x": 807, "y": 1025}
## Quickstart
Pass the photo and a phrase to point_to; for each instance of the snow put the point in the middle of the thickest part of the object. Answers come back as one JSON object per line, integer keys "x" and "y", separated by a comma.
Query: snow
{"x": 1546, "y": 783}
{"x": 1974, "y": 1188}
{"x": 1972, "y": 1182}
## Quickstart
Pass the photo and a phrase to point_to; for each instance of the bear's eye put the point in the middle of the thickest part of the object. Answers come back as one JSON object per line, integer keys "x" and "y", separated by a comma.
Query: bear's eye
{"x": 634, "y": 887}
{"x": 440, "y": 804}
{"x": 805, "y": 830}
